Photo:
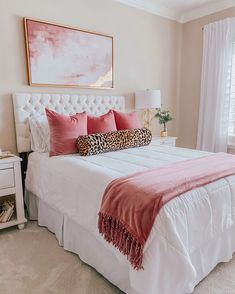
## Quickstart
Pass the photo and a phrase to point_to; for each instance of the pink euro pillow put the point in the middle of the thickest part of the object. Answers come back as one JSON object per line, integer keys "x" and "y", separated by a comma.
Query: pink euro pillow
{"x": 64, "y": 131}
{"x": 101, "y": 124}
{"x": 127, "y": 121}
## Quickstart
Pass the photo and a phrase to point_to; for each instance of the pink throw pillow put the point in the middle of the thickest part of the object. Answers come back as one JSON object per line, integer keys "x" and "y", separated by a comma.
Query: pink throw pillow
{"x": 127, "y": 121}
{"x": 64, "y": 131}
{"x": 101, "y": 124}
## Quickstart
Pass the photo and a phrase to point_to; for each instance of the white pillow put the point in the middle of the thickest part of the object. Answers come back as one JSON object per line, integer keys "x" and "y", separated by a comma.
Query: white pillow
{"x": 40, "y": 133}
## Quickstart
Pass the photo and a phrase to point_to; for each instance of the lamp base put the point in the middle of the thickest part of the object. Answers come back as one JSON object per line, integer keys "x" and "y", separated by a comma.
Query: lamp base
{"x": 147, "y": 118}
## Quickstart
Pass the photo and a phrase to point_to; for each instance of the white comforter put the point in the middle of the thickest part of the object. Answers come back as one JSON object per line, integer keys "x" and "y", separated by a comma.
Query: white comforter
{"x": 174, "y": 255}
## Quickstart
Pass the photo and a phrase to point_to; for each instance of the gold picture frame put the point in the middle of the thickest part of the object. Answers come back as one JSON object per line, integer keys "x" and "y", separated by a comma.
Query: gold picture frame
{"x": 43, "y": 40}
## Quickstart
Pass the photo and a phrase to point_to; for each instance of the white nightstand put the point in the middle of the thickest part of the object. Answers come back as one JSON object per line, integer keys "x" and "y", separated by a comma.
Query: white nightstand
{"x": 11, "y": 187}
{"x": 168, "y": 141}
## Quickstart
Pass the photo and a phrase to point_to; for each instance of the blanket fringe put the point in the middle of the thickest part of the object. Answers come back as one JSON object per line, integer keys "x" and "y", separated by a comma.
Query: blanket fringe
{"x": 115, "y": 232}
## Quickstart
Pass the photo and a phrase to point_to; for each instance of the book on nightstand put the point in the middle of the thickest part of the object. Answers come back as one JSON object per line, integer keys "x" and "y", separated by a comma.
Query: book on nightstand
{"x": 6, "y": 211}
{"x": 5, "y": 154}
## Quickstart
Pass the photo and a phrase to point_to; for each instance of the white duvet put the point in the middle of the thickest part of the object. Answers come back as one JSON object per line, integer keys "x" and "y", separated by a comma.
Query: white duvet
{"x": 190, "y": 235}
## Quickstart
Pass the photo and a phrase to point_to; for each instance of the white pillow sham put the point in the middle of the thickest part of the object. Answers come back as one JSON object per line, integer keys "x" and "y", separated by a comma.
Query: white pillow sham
{"x": 40, "y": 133}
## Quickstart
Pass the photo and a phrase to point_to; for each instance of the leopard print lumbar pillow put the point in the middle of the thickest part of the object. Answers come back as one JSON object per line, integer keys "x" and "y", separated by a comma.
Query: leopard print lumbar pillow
{"x": 112, "y": 141}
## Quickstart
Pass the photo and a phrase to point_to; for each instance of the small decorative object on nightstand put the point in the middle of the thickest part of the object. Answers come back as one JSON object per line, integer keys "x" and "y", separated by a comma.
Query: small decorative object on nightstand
{"x": 11, "y": 195}
{"x": 166, "y": 141}
{"x": 163, "y": 118}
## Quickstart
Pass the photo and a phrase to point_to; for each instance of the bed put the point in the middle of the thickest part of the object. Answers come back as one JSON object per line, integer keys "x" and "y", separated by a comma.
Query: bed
{"x": 191, "y": 234}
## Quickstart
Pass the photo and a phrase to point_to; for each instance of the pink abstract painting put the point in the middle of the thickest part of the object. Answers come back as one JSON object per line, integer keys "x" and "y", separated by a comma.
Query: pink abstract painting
{"x": 62, "y": 56}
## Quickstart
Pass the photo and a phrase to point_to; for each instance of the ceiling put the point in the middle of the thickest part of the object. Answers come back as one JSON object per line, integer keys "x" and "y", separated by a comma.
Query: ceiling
{"x": 180, "y": 10}
{"x": 184, "y": 5}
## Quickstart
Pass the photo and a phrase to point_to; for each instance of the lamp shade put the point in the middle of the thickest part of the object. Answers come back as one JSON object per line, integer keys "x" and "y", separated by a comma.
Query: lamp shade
{"x": 148, "y": 99}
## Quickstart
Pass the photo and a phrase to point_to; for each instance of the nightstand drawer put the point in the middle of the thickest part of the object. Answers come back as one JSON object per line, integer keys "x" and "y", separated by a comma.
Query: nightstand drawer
{"x": 7, "y": 178}
{"x": 167, "y": 143}
{"x": 164, "y": 141}
{"x": 6, "y": 165}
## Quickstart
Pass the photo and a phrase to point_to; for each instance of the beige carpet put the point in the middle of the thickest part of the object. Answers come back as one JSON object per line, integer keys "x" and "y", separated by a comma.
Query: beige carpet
{"x": 31, "y": 261}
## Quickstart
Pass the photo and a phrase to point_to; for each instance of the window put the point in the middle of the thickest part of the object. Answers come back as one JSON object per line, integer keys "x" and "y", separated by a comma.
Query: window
{"x": 231, "y": 130}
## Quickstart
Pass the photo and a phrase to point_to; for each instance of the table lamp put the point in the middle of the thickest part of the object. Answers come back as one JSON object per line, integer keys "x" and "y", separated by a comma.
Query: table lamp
{"x": 148, "y": 100}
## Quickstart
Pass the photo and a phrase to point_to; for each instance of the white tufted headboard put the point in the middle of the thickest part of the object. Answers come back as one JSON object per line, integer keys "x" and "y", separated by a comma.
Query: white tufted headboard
{"x": 28, "y": 104}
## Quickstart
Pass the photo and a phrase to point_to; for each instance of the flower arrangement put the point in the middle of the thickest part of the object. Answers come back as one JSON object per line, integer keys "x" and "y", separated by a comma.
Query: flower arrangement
{"x": 164, "y": 117}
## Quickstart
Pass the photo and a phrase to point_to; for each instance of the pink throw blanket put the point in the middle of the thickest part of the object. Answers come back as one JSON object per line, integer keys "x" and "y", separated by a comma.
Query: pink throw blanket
{"x": 130, "y": 204}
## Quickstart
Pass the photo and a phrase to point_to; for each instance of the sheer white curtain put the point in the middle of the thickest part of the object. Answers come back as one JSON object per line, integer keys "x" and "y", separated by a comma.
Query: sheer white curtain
{"x": 213, "y": 122}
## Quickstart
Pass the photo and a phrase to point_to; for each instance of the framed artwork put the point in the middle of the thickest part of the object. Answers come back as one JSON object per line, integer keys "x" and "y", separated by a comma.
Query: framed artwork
{"x": 61, "y": 56}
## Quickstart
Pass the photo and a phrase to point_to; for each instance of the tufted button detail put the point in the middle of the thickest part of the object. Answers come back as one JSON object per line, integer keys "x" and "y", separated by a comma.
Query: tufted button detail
{"x": 29, "y": 104}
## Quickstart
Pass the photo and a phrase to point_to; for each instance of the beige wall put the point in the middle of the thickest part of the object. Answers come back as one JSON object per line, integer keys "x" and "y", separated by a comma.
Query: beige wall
{"x": 146, "y": 50}
{"x": 191, "y": 63}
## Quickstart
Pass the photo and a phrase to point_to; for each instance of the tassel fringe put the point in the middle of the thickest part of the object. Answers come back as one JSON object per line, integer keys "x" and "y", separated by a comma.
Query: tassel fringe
{"x": 115, "y": 232}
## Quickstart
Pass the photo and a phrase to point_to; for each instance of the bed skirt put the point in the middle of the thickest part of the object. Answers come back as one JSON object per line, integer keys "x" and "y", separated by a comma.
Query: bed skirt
{"x": 76, "y": 239}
